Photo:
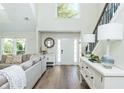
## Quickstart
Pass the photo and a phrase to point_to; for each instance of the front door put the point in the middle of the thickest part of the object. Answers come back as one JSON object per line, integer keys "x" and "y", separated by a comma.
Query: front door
{"x": 67, "y": 51}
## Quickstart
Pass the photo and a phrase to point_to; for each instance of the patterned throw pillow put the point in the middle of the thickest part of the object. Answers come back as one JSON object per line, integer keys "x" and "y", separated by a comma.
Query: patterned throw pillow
{"x": 17, "y": 59}
{"x": 25, "y": 57}
{"x": 3, "y": 58}
{"x": 9, "y": 60}
{"x": 28, "y": 56}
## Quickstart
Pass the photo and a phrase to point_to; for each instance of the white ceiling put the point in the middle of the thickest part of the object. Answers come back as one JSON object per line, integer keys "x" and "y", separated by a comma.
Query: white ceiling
{"x": 42, "y": 18}
{"x": 13, "y": 17}
{"x": 3, "y": 17}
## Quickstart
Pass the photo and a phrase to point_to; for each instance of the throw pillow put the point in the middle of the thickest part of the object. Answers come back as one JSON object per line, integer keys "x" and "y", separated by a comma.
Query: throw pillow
{"x": 0, "y": 57}
{"x": 3, "y": 58}
{"x": 25, "y": 57}
{"x": 28, "y": 56}
{"x": 9, "y": 59}
{"x": 17, "y": 59}
{"x": 35, "y": 58}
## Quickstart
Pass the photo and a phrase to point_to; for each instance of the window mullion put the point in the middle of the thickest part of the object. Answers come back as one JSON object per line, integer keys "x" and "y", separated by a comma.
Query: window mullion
{"x": 2, "y": 46}
{"x": 14, "y": 46}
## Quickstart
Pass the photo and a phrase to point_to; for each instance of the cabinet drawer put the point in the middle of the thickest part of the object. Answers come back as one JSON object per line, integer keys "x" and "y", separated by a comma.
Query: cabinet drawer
{"x": 93, "y": 78}
{"x": 98, "y": 80}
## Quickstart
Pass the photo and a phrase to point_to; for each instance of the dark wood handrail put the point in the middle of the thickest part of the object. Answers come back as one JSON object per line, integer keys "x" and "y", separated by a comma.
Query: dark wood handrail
{"x": 105, "y": 12}
{"x": 100, "y": 17}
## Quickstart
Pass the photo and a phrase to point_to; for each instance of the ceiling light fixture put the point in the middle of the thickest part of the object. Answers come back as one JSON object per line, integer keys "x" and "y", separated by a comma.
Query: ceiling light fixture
{"x": 27, "y": 18}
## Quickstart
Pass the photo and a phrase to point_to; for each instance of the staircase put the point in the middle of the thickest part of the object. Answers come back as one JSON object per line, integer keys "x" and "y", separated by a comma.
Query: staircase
{"x": 106, "y": 16}
{"x": 116, "y": 48}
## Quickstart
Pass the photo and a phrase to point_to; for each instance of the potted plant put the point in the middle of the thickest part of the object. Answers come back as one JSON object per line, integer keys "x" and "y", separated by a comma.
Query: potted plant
{"x": 94, "y": 58}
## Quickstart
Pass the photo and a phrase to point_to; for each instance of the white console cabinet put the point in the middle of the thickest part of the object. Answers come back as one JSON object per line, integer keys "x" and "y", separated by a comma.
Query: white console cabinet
{"x": 43, "y": 64}
{"x": 50, "y": 59}
{"x": 98, "y": 77}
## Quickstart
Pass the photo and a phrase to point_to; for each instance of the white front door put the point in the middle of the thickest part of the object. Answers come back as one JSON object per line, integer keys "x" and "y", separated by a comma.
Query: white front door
{"x": 67, "y": 51}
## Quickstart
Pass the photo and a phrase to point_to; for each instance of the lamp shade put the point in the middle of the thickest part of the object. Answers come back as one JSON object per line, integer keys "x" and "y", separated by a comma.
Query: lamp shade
{"x": 111, "y": 31}
{"x": 89, "y": 38}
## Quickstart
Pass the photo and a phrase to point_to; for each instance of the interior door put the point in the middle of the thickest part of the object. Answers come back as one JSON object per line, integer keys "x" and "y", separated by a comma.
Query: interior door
{"x": 67, "y": 51}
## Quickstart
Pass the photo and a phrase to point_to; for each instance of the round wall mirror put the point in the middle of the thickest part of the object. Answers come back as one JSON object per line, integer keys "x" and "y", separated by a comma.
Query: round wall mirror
{"x": 49, "y": 42}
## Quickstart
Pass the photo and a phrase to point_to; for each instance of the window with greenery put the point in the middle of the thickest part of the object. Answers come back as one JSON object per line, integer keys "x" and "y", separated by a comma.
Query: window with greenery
{"x": 13, "y": 46}
{"x": 20, "y": 46}
{"x": 7, "y": 46}
{"x": 68, "y": 10}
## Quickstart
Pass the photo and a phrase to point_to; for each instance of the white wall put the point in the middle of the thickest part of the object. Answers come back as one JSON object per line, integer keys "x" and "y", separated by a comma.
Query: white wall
{"x": 47, "y": 19}
{"x": 39, "y": 47}
{"x": 100, "y": 7}
{"x": 55, "y": 36}
{"x": 29, "y": 36}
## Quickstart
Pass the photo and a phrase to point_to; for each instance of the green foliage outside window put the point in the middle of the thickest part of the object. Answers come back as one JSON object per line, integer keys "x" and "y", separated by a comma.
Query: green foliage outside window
{"x": 8, "y": 46}
{"x": 66, "y": 11}
{"x": 20, "y": 45}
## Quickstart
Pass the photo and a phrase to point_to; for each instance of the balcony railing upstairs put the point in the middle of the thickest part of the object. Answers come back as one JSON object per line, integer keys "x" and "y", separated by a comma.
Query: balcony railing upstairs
{"x": 106, "y": 15}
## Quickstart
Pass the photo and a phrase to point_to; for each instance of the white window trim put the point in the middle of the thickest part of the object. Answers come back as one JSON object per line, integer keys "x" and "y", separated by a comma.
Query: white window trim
{"x": 75, "y": 50}
{"x": 14, "y": 45}
{"x": 59, "y": 50}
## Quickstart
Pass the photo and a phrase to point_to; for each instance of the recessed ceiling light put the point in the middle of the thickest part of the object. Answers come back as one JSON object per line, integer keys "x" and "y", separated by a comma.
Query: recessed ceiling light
{"x": 1, "y": 7}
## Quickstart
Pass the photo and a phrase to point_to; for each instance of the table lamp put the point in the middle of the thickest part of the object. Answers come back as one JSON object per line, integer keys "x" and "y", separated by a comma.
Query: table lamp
{"x": 110, "y": 32}
{"x": 88, "y": 38}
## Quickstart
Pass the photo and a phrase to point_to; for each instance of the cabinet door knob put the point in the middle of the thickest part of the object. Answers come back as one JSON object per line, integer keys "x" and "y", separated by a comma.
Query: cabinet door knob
{"x": 87, "y": 67}
{"x": 92, "y": 77}
{"x": 82, "y": 67}
{"x": 101, "y": 79}
{"x": 86, "y": 75}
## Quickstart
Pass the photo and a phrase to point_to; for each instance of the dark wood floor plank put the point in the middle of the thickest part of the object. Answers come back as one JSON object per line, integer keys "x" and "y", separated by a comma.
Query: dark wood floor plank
{"x": 61, "y": 77}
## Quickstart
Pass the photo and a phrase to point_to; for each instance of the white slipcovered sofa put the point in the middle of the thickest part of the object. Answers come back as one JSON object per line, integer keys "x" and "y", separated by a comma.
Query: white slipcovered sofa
{"x": 34, "y": 69}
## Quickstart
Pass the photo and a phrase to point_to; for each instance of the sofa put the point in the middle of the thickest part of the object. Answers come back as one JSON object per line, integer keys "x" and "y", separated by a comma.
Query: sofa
{"x": 8, "y": 60}
{"x": 34, "y": 69}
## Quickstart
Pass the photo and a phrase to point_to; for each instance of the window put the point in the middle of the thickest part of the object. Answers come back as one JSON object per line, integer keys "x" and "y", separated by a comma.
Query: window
{"x": 7, "y": 46}
{"x": 20, "y": 46}
{"x": 69, "y": 10}
{"x": 13, "y": 46}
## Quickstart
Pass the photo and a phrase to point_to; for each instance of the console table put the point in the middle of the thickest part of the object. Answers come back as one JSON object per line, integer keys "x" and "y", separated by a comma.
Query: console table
{"x": 50, "y": 60}
{"x": 98, "y": 77}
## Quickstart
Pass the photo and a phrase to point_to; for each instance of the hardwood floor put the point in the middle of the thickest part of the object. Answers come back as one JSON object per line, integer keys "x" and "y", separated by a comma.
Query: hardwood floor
{"x": 61, "y": 77}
